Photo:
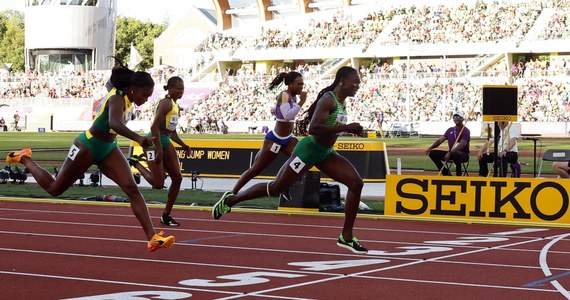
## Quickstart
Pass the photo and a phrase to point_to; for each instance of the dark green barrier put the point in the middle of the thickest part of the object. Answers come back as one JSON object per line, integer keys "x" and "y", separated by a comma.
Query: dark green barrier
{"x": 230, "y": 158}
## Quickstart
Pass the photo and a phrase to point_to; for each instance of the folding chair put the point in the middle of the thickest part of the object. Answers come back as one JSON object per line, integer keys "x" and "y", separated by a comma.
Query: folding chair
{"x": 464, "y": 167}
{"x": 516, "y": 169}
{"x": 554, "y": 155}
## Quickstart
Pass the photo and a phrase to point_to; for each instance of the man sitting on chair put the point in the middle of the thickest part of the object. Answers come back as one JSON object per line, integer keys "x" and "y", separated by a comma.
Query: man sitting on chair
{"x": 458, "y": 138}
{"x": 507, "y": 148}
{"x": 562, "y": 168}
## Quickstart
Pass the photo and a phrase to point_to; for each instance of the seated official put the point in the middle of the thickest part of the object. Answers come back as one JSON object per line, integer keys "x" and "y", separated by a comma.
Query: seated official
{"x": 507, "y": 148}
{"x": 3, "y": 125}
{"x": 562, "y": 168}
{"x": 458, "y": 138}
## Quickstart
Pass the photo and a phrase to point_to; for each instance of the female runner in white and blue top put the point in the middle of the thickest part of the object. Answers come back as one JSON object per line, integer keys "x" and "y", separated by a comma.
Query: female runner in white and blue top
{"x": 281, "y": 138}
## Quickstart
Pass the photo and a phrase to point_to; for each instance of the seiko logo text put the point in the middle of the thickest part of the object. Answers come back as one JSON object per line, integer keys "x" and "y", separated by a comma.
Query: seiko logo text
{"x": 350, "y": 146}
{"x": 509, "y": 199}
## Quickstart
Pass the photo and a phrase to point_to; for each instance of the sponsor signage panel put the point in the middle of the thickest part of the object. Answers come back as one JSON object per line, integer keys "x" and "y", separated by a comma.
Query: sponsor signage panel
{"x": 523, "y": 200}
{"x": 230, "y": 158}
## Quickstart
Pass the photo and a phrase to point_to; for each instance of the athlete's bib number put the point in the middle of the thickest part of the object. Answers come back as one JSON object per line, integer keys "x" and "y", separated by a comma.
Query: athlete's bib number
{"x": 150, "y": 155}
{"x": 297, "y": 165}
{"x": 275, "y": 148}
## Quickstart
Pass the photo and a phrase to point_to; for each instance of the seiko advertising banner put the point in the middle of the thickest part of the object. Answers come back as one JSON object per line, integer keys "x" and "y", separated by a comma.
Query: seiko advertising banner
{"x": 516, "y": 200}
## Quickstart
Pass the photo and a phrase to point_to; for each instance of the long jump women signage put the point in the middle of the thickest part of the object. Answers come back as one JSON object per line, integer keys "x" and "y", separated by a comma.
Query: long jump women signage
{"x": 479, "y": 198}
{"x": 230, "y": 158}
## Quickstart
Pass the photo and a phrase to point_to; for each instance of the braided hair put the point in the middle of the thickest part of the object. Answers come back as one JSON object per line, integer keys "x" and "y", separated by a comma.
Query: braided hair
{"x": 286, "y": 78}
{"x": 303, "y": 124}
{"x": 122, "y": 77}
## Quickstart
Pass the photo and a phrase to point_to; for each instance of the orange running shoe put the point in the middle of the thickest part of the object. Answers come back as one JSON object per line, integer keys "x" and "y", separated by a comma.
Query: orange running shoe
{"x": 15, "y": 156}
{"x": 158, "y": 241}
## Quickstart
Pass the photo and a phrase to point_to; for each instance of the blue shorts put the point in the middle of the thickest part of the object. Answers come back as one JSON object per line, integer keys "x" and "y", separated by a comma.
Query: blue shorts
{"x": 278, "y": 139}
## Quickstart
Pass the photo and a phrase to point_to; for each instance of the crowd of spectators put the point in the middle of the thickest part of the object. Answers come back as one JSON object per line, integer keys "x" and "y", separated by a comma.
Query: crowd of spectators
{"x": 558, "y": 27}
{"x": 79, "y": 85}
{"x": 428, "y": 95}
{"x": 480, "y": 21}
{"x": 340, "y": 30}
{"x": 421, "y": 90}
{"x": 51, "y": 85}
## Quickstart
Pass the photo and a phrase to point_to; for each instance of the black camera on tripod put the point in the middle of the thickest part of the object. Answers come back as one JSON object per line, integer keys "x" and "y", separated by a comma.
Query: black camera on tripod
{"x": 194, "y": 178}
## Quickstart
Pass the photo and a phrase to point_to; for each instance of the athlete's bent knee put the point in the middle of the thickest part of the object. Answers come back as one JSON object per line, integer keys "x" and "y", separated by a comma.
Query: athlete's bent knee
{"x": 355, "y": 184}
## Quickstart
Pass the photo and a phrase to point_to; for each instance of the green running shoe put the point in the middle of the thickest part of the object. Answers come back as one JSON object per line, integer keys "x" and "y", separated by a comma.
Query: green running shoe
{"x": 220, "y": 207}
{"x": 136, "y": 158}
{"x": 351, "y": 245}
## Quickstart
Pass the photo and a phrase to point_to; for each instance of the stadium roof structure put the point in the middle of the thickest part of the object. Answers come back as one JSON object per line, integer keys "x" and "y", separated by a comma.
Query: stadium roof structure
{"x": 231, "y": 13}
{"x": 265, "y": 10}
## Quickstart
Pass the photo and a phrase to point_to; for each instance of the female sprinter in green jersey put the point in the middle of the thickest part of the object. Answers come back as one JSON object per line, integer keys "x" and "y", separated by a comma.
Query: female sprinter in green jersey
{"x": 328, "y": 119}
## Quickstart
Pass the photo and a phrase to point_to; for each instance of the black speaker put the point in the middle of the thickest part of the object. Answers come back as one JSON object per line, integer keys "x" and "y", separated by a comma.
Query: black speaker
{"x": 304, "y": 193}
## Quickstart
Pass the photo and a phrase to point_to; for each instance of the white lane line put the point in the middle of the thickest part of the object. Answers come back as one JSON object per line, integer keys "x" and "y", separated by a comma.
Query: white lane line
{"x": 334, "y": 275}
{"x": 521, "y": 231}
{"x": 402, "y": 266}
{"x": 146, "y": 285}
{"x": 162, "y": 262}
{"x": 225, "y": 232}
{"x": 546, "y": 269}
{"x": 250, "y": 248}
{"x": 208, "y": 219}
{"x": 210, "y": 246}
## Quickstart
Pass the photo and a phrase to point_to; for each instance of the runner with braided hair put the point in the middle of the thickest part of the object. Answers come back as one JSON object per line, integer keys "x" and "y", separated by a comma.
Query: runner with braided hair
{"x": 98, "y": 145}
{"x": 328, "y": 120}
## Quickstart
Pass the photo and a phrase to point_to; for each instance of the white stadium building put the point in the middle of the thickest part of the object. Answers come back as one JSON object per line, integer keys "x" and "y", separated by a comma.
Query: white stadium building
{"x": 72, "y": 35}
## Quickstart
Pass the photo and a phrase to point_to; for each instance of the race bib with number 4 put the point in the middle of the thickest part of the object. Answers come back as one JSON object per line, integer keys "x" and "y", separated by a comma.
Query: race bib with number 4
{"x": 297, "y": 165}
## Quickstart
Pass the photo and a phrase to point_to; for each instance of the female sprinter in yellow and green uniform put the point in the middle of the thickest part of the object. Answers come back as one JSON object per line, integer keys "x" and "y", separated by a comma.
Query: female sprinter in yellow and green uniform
{"x": 162, "y": 157}
{"x": 98, "y": 146}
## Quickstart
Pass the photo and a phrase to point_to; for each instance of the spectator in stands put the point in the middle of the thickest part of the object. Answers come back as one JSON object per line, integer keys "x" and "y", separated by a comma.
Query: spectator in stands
{"x": 281, "y": 138}
{"x": 507, "y": 149}
{"x": 380, "y": 121}
{"x": 98, "y": 146}
{"x": 162, "y": 157}
{"x": 328, "y": 119}
{"x": 222, "y": 126}
{"x": 3, "y": 124}
{"x": 16, "y": 120}
{"x": 458, "y": 138}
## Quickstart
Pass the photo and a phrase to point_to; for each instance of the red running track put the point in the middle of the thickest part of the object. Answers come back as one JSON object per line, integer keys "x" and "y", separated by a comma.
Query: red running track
{"x": 52, "y": 250}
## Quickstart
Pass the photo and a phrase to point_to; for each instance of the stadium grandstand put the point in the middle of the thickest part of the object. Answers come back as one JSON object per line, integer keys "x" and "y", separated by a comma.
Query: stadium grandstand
{"x": 419, "y": 62}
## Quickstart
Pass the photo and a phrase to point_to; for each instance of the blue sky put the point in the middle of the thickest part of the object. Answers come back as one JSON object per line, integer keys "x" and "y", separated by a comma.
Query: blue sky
{"x": 144, "y": 10}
